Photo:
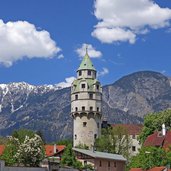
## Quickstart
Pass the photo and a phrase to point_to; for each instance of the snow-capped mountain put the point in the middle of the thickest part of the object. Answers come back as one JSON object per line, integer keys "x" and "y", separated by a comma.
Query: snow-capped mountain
{"x": 46, "y": 108}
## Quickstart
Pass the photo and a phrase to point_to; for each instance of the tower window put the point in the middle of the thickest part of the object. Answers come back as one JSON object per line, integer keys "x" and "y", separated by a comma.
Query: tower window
{"x": 76, "y": 97}
{"x": 75, "y": 136}
{"x": 95, "y": 136}
{"x": 80, "y": 73}
{"x": 97, "y": 109}
{"x": 91, "y": 108}
{"x": 89, "y": 72}
{"x": 84, "y": 124}
{"x": 76, "y": 109}
{"x": 91, "y": 96}
{"x": 83, "y": 108}
{"x": 97, "y": 86}
{"x": 82, "y": 85}
{"x": 133, "y": 148}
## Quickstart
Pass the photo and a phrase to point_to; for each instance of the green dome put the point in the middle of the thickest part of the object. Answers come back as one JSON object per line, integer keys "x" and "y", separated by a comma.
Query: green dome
{"x": 86, "y": 64}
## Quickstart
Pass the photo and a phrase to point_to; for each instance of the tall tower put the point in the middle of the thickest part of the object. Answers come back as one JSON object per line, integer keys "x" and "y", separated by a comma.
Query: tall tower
{"x": 86, "y": 98}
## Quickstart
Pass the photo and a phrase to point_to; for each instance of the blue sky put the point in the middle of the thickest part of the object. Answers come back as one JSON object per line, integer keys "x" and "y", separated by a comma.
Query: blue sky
{"x": 41, "y": 42}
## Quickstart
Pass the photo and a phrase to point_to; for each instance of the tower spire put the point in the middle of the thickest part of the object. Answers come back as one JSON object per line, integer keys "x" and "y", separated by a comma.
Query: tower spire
{"x": 86, "y": 49}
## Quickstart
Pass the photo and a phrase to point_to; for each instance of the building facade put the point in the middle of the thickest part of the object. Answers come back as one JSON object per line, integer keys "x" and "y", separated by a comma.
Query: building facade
{"x": 86, "y": 98}
{"x": 100, "y": 161}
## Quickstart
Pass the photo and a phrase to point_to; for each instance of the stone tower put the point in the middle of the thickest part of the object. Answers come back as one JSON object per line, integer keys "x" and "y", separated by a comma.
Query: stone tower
{"x": 86, "y": 98}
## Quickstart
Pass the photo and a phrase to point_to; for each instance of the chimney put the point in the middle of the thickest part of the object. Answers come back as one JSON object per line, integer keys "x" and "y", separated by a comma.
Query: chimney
{"x": 54, "y": 148}
{"x": 163, "y": 129}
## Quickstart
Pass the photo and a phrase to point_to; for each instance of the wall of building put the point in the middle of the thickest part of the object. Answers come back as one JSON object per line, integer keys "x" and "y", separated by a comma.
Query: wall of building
{"x": 86, "y": 134}
{"x": 134, "y": 149}
{"x": 109, "y": 165}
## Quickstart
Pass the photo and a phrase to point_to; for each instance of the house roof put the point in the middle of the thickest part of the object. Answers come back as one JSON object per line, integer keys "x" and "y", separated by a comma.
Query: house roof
{"x": 158, "y": 140}
{"x": 97, "y": 154}
{"x": 49, "y": 149}
{"x": 133, "y": 129}
{"x": 162, "y": 168}
{"x": 2, "y": 148}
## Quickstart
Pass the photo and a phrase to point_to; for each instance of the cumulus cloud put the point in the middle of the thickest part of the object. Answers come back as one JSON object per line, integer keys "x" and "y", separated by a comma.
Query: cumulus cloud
{"x": 92, "y": 52}
{"x": 103, "y": 72}
{"x": 67, "y": 83}
{"x": 123, "y": 20}
{"x": 21, "y": 39}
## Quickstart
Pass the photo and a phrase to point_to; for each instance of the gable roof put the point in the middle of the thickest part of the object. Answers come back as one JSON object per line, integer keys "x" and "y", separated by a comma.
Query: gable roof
{"x": 97, "y": 154}
{"x": 158, "y": 140}
{"x": 49, "y": 149}
{"x": 133, "y": 129}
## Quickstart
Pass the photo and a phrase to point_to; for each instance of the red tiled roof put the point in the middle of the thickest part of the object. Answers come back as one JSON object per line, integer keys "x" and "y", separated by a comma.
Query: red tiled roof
{"x": 156, "y": 139}
{"x": 157, "y": 169}
{"x": 153, "y": 169}
{"x": 49, "y": 149}
{"x": 2, "y": 148}
{"x": 167, "y": 141}
{"x": 133, "y": 129}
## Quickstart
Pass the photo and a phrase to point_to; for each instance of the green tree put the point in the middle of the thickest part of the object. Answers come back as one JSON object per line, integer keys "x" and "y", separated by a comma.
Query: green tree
{"x": 64, "y": 142}
{"x": 24, "y": 147}
{"x": 154, "y": 121}
{"x": 114, "y": 140}
{"x": 149, "y": 157}
{"x": 22, "y": 133}
{"x": 10, "y": 151}
{"x": 69, "y": 159}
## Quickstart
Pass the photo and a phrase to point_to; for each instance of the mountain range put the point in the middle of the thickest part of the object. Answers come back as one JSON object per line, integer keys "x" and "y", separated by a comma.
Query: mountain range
{"x": 47, "y": 108}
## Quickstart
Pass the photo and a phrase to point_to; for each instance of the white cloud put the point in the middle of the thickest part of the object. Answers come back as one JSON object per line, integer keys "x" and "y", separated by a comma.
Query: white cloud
{"x": 123, "y": 20}
{"x": 21, "y": 39}
{"x": 61, "y": 56}
{"x": 109, "y": 35}
{"x": 67, "y": 83}
{"x": 103, "y": 72}
{"x": 92, "y": 52}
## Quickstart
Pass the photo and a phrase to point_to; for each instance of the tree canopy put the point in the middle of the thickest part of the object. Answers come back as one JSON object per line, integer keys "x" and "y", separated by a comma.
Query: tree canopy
{"x": 114, "y": 140}
{"x": 25, "y": 148}
{"x": 154, "y": 121}
{"x": 149, "y": 157}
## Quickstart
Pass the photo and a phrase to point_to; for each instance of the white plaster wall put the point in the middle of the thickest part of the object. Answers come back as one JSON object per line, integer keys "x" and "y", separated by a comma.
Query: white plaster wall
{"x": 136, "y": 143}
{"x": 85, "y": 135}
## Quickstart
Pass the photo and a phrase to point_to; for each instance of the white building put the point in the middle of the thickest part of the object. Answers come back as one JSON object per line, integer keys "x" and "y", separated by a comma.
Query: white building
{"x": 86, "y": 98}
